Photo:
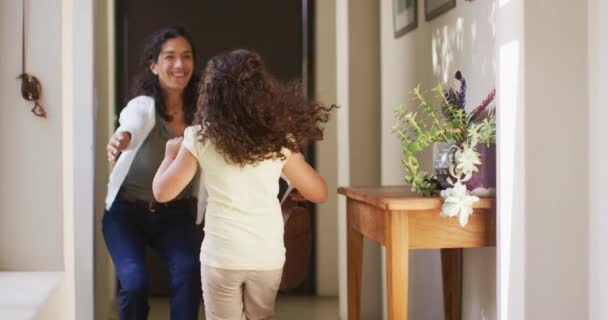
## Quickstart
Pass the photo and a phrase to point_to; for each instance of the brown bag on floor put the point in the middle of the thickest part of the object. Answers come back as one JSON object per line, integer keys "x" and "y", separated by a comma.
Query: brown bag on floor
{"x": 298, "y": 243}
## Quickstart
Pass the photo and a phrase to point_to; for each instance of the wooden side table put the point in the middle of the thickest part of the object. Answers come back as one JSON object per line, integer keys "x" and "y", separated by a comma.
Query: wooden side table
{"x": 401, "y": 220}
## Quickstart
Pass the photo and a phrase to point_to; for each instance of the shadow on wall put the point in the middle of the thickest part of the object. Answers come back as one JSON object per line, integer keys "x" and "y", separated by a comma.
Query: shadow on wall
{"x": 465, "y": 42}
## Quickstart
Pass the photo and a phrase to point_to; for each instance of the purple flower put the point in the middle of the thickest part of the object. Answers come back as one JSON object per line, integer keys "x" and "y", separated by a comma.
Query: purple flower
{"x": 463, "y": 89}
{"x": 451, "y": 97}
{"x": 455, "y": 98}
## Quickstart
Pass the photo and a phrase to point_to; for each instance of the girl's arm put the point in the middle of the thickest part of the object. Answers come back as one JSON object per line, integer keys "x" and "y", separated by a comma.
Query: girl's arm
{"x": 175, "y": 172}
{"x": 305, "y": 179}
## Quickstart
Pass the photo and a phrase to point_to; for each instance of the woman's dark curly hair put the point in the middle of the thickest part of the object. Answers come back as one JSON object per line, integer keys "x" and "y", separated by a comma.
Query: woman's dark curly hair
{"x": 146, "y": 83}
{"x": 249, "y": 115}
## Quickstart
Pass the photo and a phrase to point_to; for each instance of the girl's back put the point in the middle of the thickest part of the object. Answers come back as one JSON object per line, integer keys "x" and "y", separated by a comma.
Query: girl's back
{"x": 243, "y": 221}
{"x": 254, "y": 127}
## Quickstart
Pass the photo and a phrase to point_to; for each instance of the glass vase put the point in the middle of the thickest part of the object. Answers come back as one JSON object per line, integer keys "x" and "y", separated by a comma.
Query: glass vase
{"x": 482, "y": 183}
{"x": 443, "y": 158}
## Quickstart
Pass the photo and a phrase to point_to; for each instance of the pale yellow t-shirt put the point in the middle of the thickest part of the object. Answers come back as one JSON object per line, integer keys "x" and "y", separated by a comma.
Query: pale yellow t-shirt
{"x": 243, "y": 221}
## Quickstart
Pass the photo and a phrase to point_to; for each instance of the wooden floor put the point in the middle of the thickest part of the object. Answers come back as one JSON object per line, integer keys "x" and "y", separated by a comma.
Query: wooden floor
{"x": 288, "y": 307}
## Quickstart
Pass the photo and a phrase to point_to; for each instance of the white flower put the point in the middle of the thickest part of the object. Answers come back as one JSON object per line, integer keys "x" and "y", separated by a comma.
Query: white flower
{"x": 467, "y": 160}
{"x": 458, "y": 203}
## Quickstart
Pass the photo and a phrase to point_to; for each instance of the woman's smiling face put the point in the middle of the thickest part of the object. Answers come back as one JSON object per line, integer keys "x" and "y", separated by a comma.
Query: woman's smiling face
{"x": 174, "y": 64}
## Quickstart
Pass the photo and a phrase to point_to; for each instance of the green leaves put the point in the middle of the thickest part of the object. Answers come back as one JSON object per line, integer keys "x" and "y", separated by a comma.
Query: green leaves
{"x": 416, "y": 133}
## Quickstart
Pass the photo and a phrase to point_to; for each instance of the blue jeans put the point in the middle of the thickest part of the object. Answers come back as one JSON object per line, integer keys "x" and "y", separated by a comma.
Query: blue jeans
{"x": 127, "y": 230}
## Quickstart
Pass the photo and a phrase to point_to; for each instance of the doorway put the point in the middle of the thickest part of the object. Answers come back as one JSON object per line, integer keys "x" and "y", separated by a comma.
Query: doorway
{"x": 281, "y": 31}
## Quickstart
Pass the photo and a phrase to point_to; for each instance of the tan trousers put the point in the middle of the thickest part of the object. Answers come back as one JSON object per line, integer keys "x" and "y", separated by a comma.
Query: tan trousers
{"x": 239, "y": 294}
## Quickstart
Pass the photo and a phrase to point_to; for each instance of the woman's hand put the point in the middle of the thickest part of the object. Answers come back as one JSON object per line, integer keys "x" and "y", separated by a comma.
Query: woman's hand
{"x": 172, "y": 147}
{"x": 118, "y": 142}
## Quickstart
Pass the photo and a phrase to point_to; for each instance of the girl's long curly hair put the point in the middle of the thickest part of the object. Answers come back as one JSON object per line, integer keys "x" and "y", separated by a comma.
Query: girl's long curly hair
{"x": 146, "y": 83}
{"x": 249, "y": 115}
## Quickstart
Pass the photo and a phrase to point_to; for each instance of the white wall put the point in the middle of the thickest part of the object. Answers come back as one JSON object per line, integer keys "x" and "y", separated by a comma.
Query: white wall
{"x": 544, "y": 205}
{"x": 31, "y": 206}
{"x": 557, "y": 184}
{"x": 598, "y": 123}
{"x": 461, "y": 39}
{"x": 48, "y": 167}
{"x": 358, "y": 95}
{"x": 35, "y": 200}
{"x": 342, "y": 99}
{"x": 326, "y": 150}
{"x": 511, "y": 175}
{"x": 73, "y": 299}
{"x": 82, "y": 140}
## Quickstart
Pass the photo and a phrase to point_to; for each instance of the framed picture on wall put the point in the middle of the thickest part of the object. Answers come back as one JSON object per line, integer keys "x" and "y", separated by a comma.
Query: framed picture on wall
{"x": 405, "y": 16}
{"x": 435, "y": 8}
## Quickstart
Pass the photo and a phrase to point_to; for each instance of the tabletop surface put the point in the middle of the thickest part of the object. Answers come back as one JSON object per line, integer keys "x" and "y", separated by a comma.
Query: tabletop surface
{"x": 401, "y": 198}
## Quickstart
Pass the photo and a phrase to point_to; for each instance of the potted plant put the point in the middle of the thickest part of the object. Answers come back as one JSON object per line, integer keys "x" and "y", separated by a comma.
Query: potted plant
{"x": 465, "y": 167}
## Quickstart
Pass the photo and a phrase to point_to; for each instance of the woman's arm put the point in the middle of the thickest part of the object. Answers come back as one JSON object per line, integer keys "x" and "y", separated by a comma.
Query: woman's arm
{"x": 137, "y": 118}
{"x": 305, "y": 179}
{"x": 175, "y": 172}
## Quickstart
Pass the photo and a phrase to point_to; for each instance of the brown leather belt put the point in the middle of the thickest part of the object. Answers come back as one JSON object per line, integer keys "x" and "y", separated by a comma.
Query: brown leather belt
{"x": 153, "y": 206}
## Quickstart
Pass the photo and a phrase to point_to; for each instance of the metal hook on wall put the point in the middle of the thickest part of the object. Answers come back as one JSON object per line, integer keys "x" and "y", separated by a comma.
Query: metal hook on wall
{"x": 31, "y": 89}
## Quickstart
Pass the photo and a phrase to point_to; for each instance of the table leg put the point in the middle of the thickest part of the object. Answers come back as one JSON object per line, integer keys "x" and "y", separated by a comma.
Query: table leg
{"x": 397, "y": 260}
{"x": 355, "y": 259}
{"x": 451, "y": 269}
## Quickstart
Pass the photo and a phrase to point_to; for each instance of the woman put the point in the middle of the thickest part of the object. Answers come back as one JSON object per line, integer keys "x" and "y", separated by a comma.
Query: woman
{"x": 163, "y": 106}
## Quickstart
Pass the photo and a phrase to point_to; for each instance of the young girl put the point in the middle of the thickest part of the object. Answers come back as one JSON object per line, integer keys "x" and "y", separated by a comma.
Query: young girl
{"x": 253, "y": 128}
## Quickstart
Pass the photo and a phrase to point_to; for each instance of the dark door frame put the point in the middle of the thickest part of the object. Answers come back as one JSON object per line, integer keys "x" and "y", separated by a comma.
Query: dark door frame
{"x": 309, "y": 287}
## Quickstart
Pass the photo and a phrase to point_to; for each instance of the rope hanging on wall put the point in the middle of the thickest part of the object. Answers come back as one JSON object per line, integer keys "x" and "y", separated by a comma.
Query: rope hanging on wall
{"x": 31, "y": 89}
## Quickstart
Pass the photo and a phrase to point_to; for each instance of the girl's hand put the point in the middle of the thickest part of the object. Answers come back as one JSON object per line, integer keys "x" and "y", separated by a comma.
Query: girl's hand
{"x": 118, "y": 142}
{"x": 172, "y": 147}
